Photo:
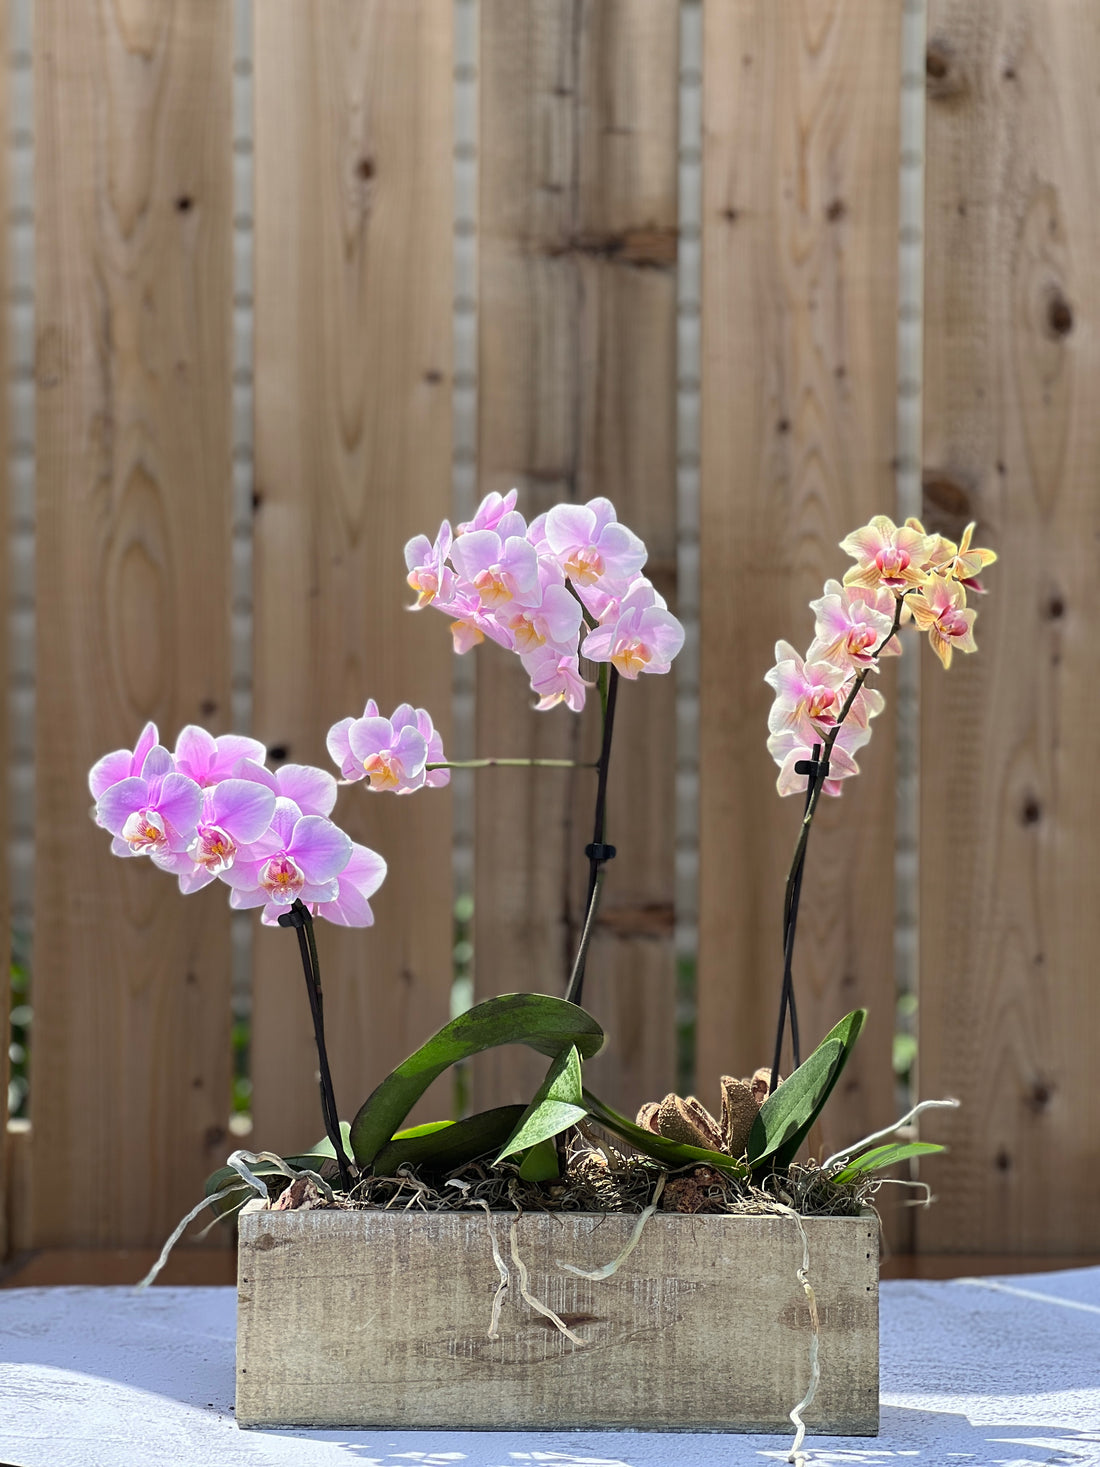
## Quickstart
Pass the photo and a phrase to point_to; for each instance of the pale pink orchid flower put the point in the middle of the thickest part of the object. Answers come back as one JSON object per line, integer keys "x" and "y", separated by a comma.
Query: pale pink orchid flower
{"x": 941, "y": 611}
{"x": 122, "y": 763}
{"x": 390, "y": 752}
{"x": 359, "y": 879}
{"x": 235, "y": 813}
{"x": 429, "y": 574}
{"x": 808, "y": 695}
{"x": 640, "y": 639}
{"x": 886, "y": 555}
{"x": 152, "y": 813}
{"x": 208, "y": 760}
{"x": 852, "y": 622}
{"x": 788, "y": 748}
{"x": 472, "y": 623}
{"x": 499, "y": 571}
{"x": 591, "y": 546}
{"x": 494, "y": 510}
{"x": 555, "y": 678}
{"x": 555, "y": 622}
{"x": 297, "y": 857}
{"x": 313, "y": 790}
{"x": 608, "y": 606}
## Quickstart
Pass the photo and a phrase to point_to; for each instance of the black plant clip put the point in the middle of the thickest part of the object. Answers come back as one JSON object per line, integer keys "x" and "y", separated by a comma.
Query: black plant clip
{"x": 599, "y": 853}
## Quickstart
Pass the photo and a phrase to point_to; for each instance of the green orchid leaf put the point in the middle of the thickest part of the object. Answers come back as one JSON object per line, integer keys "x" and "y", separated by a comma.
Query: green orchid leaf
{"x": 548, "y": 1025}
{"x": 884, "y": 1156}
{"x": 558, "y": 1104}
{"x": 541, "y": 1163}
{"x": 324, "y": 1147}
{"x": 785, "y": 1118}
{"x": 672, "y": 1154}
{"x": 440, "y": 1146}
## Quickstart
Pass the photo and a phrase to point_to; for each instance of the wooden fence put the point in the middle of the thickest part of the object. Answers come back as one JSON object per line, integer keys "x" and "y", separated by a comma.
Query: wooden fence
{"x": 577, "y": 382}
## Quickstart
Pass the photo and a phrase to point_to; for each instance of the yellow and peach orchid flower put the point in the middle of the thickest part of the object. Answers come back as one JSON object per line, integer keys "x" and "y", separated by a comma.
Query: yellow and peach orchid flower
{"x": 940, "y": 610}
{"x": 887, "y": 555}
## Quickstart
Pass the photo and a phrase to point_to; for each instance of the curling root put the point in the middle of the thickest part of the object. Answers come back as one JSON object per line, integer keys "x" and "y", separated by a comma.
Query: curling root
{"x": 796, "y": 1455}
{"x": 540, "y": 1308}
{"x": 502, "y": 1269}
{"x": 609, "y": 1268}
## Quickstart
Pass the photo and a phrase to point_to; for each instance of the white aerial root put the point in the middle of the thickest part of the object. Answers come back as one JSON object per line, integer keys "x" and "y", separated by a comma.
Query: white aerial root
{"x": 240, "y": 1161}
{"x": 839, "y": 1159}
{"x": 521, "y": 1270}
{"x": 502, "y": 1267}
{"x": 796, "y": 1454}
{"x": 609, "y": 1268}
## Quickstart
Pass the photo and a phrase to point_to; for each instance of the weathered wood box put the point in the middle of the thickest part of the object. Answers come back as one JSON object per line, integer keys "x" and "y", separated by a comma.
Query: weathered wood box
{"x": 383, "y": 1319}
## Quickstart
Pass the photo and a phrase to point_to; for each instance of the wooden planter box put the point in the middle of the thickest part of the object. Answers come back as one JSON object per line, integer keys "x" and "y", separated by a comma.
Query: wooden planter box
{"x": 382, "y": 1319}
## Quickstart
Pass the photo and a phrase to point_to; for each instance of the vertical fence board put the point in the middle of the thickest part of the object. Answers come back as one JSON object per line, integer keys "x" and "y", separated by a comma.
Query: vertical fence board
{"x": 800, "y": 159}
{"x": 133, "y": 278}
{"x": 353, "y": 414}
{"x": 578, "y": 220}
{"x": 1009, "y": 787}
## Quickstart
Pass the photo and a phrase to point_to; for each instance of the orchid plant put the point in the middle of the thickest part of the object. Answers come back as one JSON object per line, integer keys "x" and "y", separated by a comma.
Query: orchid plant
{"x": 567, "y": 595}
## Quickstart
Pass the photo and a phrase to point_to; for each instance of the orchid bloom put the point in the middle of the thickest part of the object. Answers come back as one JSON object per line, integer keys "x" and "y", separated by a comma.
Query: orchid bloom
{"x": 640, "y": 639}
{"x": 788, "y": 748}
{"x": 429, "y": 574}
{"x": 557, "y": 620}
{"x": 359, "y": 879}
{"x": 555, "y": 678}
{"x": 313, "y": 790}
{"x": 500, "y": 571}
{"x": 809, "y": 695}
{"x": 852, "y": 626}
{"x": 591, "y": 546}
{"x": 207, "y": 759}
{"x": 940, "y": 610}
{"x": 886, "y": 555}
{"x": 967, "y": 563}
{"x": 298, "y": 857}
{"x": 235, "y": 813}
{"x": 390, "y": 752}
{"x": 492, "y": 511}
{"x": 154, "y": 812}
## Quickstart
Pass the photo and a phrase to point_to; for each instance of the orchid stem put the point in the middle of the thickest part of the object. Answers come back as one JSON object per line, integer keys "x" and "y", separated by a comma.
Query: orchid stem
{"x": 598, "y": 852}
{"x": 300, "y": 919}
{"x": 816, "y": 770}
{"x": 511, "y": 764}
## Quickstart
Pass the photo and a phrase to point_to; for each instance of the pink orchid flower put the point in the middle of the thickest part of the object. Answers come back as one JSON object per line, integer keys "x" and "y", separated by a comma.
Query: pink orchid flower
{"x": 151, "y": 813}
{"x": 313, "y": 790}
{"x": 555, "y": 678}
{"x": 496, "y": 510}
{"x": 122, "y": 764}
{"x": 591, "y": 546}
{"x": 556, "y": 621}
{"x": 429, "y": 574}
{"x": 852, "y": 622}
{"x": 359, "y": 879}
{"x": 608, "y": 606}
{"x": 207, "y": 760}
{"x": 788, "y": 747}
{"x": 472, "y": 623}
{"x": 500, "y": 571}
{"x": 298, "y": 856}
{"x": 941, "y": 611}
{"x": 235, "y": 813}
{"x": 886, "y": 555}
{"x": 809, "y": 695}
{"x": 391, "y": 752}
{"x": 641, "y": 639}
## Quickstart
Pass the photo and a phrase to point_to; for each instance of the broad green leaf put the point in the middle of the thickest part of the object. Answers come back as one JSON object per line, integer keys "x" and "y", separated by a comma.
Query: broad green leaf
{"x": 541, "y": 1163}
{"x": 790, "y": 1110}
{"x": 548, "y": 1025}
{"x": 558, "y": 1104}
{"x": 440, "y": 1146}
{"x": 672, "y": 1154}
{"x": 324, "y": 1147}
{"x": 883, "y": 1156}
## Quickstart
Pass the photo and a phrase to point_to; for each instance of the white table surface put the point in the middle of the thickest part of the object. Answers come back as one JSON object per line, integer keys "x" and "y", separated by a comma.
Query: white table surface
{"x": 991, "y": 1371}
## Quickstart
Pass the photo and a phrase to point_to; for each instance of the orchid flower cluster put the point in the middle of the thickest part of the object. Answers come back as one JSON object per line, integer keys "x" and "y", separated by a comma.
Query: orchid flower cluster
{"x": 901, "y": 574}
{"x": 567, "y": 585}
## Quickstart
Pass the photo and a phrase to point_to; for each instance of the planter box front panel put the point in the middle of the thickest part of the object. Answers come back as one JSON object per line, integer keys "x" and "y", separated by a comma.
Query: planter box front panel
{"x": 382, "y": 1319}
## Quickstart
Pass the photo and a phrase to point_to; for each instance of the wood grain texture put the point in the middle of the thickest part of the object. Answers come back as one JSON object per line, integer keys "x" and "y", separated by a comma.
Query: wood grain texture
{"x": 376, "y": 1318}
{"x": 353, "y": 420}
{"x": 800, "y": 160}
{"x": 1009, "y": 1001}
{"x": 131, "y": 1064}
{"x": 578, "y": 220}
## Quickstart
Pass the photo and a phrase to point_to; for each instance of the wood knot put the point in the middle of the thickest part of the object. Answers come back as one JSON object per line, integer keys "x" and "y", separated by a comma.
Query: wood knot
{"x": 184, "y": 204}
{"x": 943, "y": 76}
{"x": 1032, "y": 811}
{"x": 1059, "y": 314}
{"x": 1039, "y": 1096}
{"x": 1056, "y": 607}
{"x": 365, "y": 169}
{"x": 948, "y": 504}
{"x": 836, "y": 210}
{"x": 278, "y": 752}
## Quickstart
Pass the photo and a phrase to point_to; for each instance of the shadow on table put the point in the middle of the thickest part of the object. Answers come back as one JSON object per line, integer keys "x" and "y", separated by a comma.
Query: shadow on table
{"x": 908, "y": 1435}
